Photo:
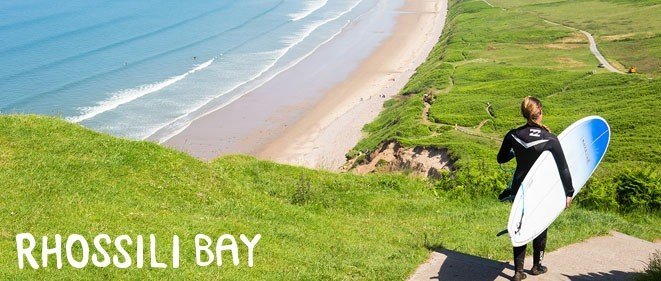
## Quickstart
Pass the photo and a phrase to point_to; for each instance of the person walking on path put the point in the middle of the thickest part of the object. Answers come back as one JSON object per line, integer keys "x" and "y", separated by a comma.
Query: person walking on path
{"x": 526, "y": 143}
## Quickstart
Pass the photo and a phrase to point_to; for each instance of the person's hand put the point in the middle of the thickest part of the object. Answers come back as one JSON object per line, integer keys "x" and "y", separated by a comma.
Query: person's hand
{"x": 569, "y": 199}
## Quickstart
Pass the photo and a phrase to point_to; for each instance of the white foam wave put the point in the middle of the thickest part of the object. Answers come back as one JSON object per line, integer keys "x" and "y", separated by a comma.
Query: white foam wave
{"x": 310, "y": 7}
{"x": 127, "y": 95}
{"x": 305, "y": 33}
{"x": 293, "y": 42}
{"x": 233, "y": 99}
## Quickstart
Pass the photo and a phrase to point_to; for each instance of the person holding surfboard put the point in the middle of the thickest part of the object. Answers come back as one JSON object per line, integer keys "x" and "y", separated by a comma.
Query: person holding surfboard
{"x": 526, "y": 144}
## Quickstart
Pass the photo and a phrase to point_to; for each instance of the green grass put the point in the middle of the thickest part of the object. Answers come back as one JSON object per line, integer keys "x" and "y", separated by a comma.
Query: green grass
{"x": 495, "y": 56}
{"x": 60, "y": 178}
{"x": 626, "y": 31}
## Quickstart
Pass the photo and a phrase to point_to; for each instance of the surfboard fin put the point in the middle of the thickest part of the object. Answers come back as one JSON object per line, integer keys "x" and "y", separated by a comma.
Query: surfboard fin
{"x": 501, "y": 232}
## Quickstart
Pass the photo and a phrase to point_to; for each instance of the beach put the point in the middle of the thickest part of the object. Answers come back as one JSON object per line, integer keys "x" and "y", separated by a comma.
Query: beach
{"x": 312, "y": 114}
{"x": 192, "y": 140}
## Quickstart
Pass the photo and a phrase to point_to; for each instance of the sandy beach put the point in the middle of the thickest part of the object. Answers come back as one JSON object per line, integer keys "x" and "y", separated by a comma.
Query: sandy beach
{"x": 312, "y": 114}
{"x": 322, "y": 138}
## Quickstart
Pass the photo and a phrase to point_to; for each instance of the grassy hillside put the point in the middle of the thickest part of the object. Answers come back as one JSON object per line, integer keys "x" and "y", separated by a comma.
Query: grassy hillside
{"x": 627, "y": 32}
{"x": 60, "y": 178}
{"x": 489, "y": 58}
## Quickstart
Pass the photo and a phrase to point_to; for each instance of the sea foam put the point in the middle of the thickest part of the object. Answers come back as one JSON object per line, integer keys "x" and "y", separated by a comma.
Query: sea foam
{"x": 294, "y": 41}
{"x": 125, "y": 96}
{"x": 310, "y": 8}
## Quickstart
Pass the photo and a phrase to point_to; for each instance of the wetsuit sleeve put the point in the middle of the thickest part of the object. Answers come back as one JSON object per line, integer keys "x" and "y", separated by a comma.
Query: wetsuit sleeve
{"x": 561, "y": 162}
{"x": 506, "y": 153}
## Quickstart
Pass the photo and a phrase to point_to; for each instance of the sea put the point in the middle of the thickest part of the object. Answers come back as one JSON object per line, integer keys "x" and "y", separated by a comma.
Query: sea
{"x": 135, "y": 68}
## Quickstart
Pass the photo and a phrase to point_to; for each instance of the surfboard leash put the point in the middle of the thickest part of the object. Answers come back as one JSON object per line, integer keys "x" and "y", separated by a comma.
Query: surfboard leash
{"x": 523, "y": 209}
{"x": 510, "y": 173}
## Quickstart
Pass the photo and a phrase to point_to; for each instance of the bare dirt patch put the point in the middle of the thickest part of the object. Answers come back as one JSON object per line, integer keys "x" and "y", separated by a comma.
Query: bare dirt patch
{"x": 569, "y": 62}
{"x": 620, "y": 37}
{"x": 563, "y": 46}
{"x": 393, "y": 157}
{"x": 575, "y": 38}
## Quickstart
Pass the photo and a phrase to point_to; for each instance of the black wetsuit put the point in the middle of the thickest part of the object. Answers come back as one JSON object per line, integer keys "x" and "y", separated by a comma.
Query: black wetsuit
{"x": 526, "y": 143}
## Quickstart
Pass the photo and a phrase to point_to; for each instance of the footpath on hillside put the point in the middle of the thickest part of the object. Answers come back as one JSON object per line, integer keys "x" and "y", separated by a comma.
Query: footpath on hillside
{"x": 614, "y": 257}
{"x": 592, "y": 43}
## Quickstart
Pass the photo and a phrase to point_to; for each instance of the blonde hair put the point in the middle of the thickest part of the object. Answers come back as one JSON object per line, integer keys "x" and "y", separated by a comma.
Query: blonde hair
{"x": 531, "y": 109}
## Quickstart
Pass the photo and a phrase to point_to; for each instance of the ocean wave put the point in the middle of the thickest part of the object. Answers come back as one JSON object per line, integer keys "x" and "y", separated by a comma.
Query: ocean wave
{"x": 82, "y": 55}
{"x": 125, "y": 96}
{"x": 49, "y": 17}
{"x": 310, "y": 7}
{"x": 233, "y": 99}
{"x": 38, "y": 42}
{"x": 27, "y": 98}
{"x": 293, "y": 42}
{"x": 309, "y": 29}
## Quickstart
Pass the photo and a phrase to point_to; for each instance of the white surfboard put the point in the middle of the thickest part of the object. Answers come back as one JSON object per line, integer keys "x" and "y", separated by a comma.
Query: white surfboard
{"x": 541, "y": 197}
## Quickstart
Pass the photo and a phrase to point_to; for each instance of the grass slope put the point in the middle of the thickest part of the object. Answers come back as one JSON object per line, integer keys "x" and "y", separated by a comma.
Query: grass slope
{"x": 60, "y": 178}
{"x": 489, "y": 58}
{"x": 626, "y": 31}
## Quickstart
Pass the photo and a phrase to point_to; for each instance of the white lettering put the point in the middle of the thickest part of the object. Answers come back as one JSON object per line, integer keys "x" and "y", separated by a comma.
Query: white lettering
{"x": 199, "y": 248}
{"x": 99, "y": 248}
{"x": 251, "y": 246}
{"x": 71, "y": 240}
{"x": 220, "y": 247}
{"x": 25, "y": 252}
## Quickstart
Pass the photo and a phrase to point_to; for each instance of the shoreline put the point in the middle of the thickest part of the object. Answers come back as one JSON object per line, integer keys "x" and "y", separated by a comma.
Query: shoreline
{"x": 323, "y": 137}
{"x": 293, "y": 115}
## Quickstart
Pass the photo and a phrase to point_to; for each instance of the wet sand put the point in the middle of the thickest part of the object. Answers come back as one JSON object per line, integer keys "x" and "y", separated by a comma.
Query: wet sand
{"x": 312, "y": 114}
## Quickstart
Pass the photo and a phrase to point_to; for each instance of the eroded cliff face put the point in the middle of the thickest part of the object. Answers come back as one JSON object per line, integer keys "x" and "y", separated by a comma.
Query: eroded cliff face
{"x": 392, "y": 157}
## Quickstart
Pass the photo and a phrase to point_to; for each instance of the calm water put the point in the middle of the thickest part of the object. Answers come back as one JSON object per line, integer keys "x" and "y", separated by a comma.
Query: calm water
{"x": 131, "y": 68}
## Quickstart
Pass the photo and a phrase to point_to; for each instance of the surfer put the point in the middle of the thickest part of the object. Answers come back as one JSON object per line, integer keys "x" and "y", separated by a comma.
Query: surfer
{"x": 526, "y": 143}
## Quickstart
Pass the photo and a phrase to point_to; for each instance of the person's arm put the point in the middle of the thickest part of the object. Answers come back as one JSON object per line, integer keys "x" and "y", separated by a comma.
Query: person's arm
{"x": 561, "y": 163}
{"x": 506, "y": 153}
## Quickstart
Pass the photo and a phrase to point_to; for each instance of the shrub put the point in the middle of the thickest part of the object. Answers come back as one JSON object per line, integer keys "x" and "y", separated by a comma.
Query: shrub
{"x": 474, "y": 179}
{"x": 599, "y": 194}
{"x": 303, "y": 192}
{"x": 653, "y": 270}
{"x": 638, "y": 190}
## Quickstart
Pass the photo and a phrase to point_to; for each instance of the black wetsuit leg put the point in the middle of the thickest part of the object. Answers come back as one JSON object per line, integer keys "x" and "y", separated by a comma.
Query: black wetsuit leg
{"x": 539, "y": 245}
{"x": 519, "y": 257}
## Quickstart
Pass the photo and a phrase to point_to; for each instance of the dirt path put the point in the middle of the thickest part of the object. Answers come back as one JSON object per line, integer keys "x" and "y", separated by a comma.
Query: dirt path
{"x": 593, "y": 47}
{"x": 479, "y": 127}
{"x": 600, "y": 57}
{"x": 613, "y": 257}
{"x": 593, "y": 44}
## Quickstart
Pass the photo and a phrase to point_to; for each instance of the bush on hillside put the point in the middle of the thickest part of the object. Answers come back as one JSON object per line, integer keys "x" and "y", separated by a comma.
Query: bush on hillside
{"x": 474, "y": 179}
{"x": 599, "y": 194}
{"x": 634, "y": 190}
{"x": 639, "y": 190}
{"x": 653, "y": 270}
